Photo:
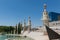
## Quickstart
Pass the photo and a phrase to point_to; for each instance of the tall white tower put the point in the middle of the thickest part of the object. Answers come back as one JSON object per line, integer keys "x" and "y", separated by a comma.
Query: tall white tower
{"x": 29, "y": 24}
{"x": 45, "y": 19}
{"x": 45, "y": 16}
{"x": 24, "y": 26}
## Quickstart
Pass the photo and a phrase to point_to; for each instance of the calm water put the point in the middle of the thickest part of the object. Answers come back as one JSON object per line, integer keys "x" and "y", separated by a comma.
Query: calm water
{"x": 3, "y": 37}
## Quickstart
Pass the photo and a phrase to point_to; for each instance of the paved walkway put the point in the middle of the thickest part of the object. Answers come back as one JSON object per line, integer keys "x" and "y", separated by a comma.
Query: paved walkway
{"x": 36, "y": 35}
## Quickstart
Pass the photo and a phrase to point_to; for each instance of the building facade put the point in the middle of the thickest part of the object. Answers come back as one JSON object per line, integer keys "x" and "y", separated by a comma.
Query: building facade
{"x": 54, "y": 19}
{"x": 54, "y": 24}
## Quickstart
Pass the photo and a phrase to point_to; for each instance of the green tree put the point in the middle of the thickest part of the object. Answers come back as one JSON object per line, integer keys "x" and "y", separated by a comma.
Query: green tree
{"x": 11, "y": 28}
{"x": 6, "y": 29}
{"x": 19, "y": 28}
{"x": 16, "y": 29}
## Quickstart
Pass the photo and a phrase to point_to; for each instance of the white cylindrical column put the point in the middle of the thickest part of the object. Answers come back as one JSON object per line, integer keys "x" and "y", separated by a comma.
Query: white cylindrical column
{"x": 29, "y": 24}
{"x": 24, "y": 29}
{"x": 45, "y": 19}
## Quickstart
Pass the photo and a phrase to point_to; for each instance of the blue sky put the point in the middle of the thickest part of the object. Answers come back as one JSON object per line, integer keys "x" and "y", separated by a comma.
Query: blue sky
{"x": 14, "y": 11}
